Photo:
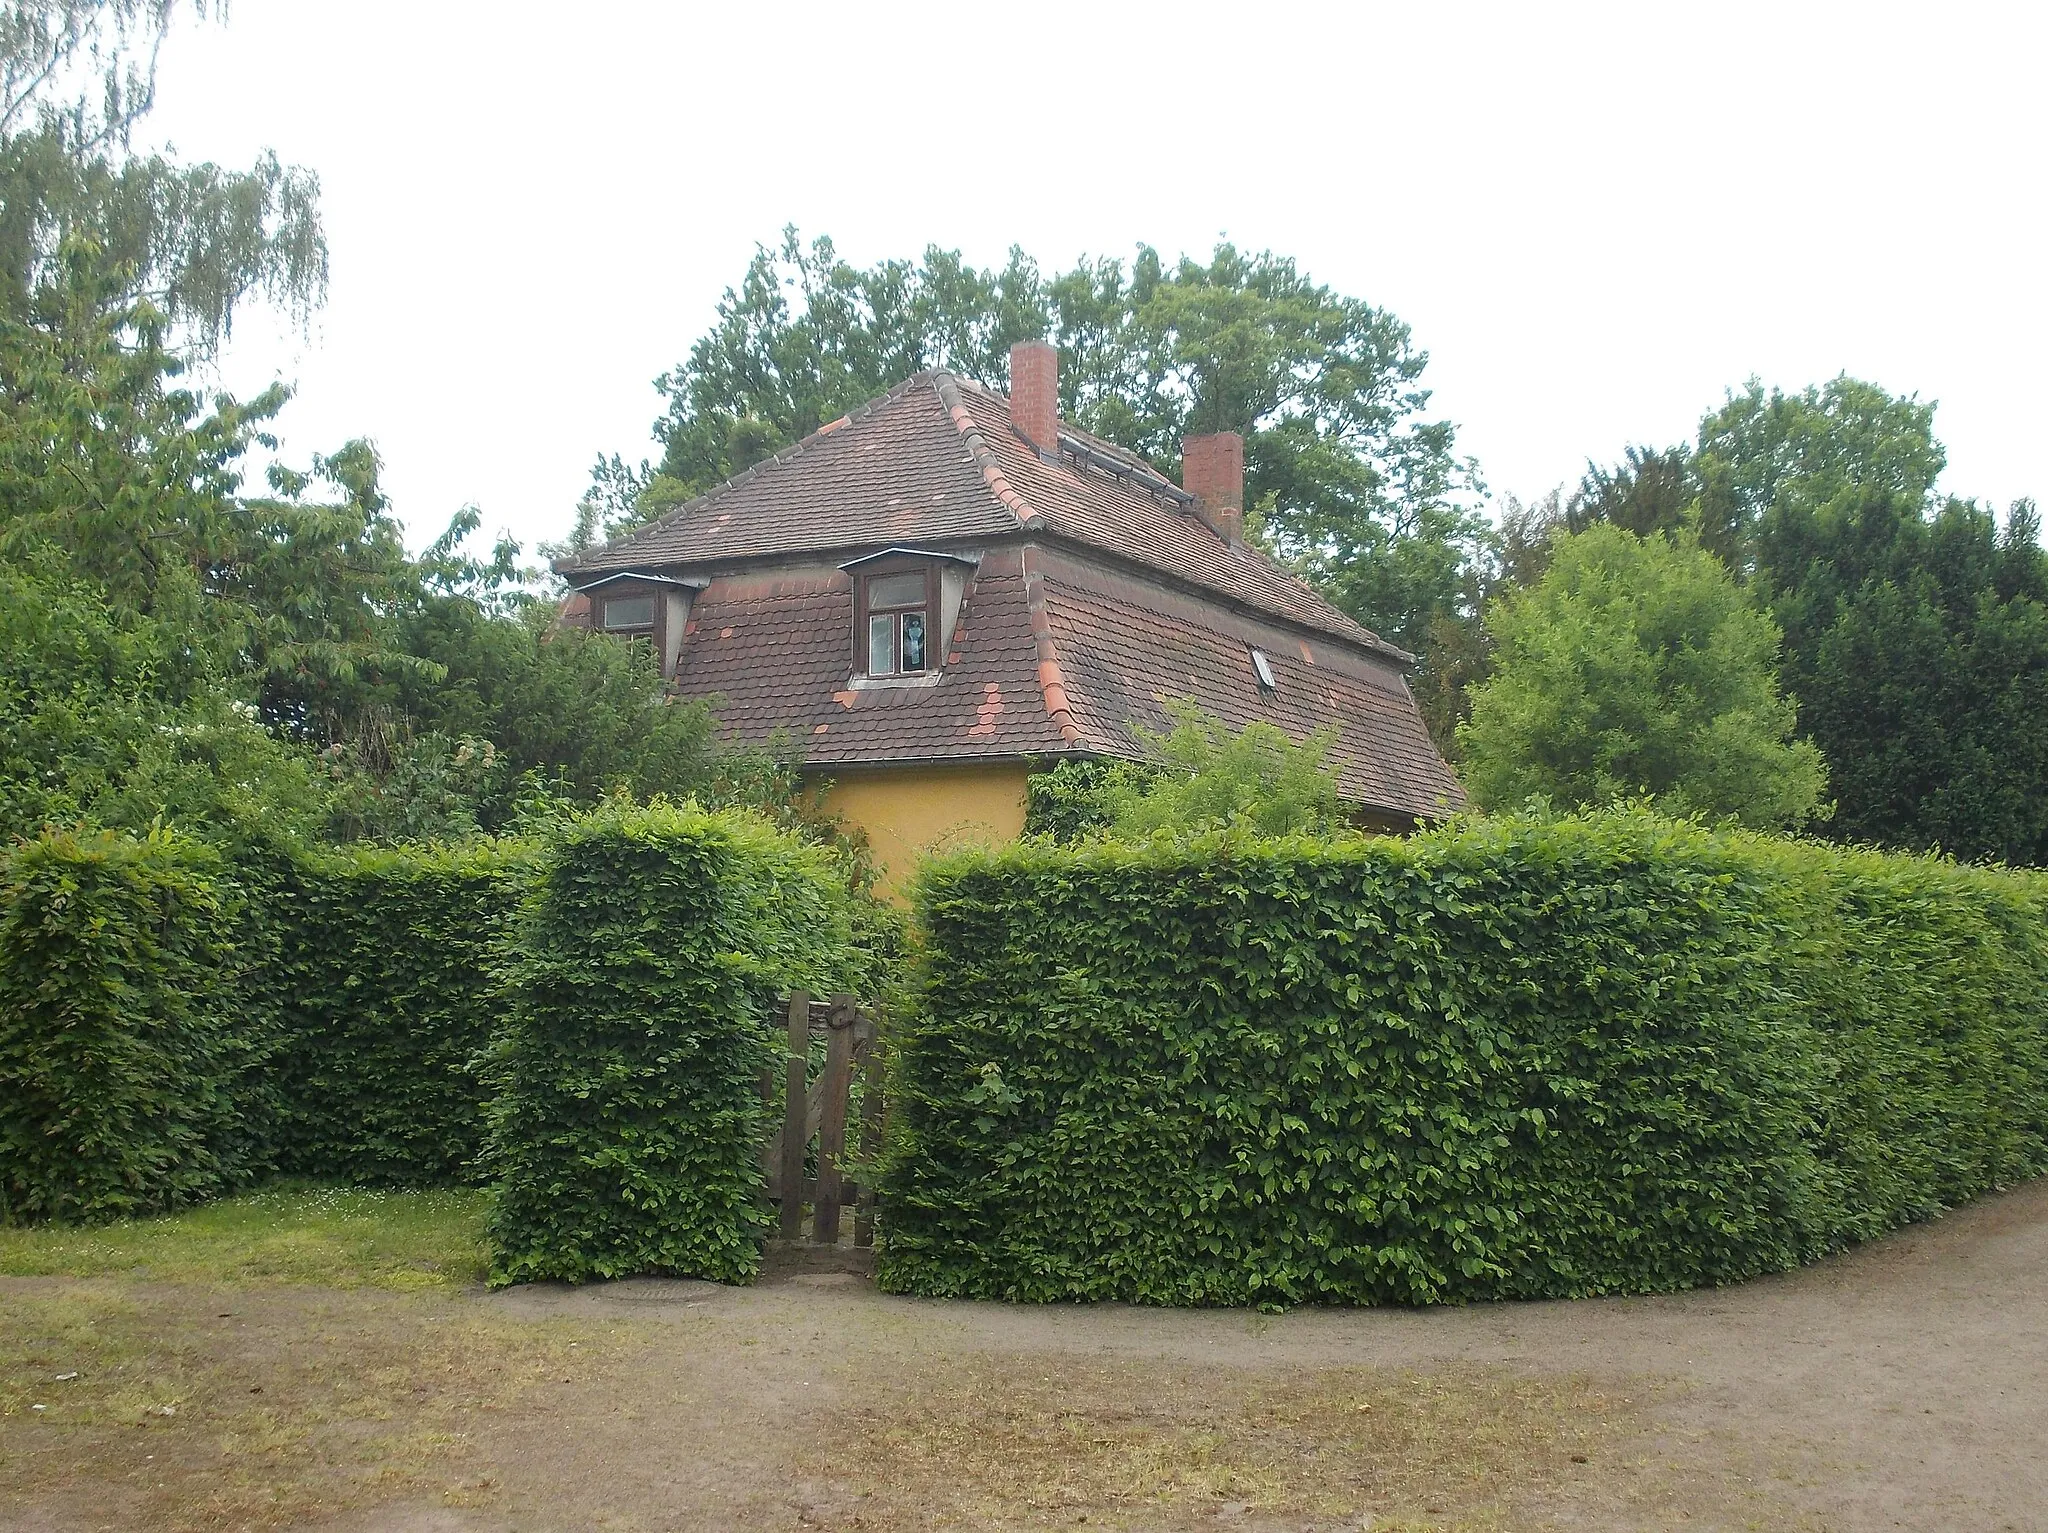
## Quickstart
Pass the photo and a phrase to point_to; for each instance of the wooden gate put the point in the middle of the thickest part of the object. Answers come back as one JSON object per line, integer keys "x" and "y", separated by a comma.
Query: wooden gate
{"x": 817, "y": 1110}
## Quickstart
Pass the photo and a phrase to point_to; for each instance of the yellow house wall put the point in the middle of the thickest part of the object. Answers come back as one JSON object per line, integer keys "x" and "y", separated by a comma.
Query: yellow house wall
{"x": 910, "y": 812}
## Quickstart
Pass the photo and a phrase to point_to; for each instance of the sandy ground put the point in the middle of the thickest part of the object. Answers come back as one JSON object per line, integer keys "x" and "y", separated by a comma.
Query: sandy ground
{"x": 1902, "y": 1386}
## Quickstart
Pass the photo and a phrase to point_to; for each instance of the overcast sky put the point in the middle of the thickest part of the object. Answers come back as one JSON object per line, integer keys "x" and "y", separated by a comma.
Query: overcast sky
{"x": 1594, "y": 218}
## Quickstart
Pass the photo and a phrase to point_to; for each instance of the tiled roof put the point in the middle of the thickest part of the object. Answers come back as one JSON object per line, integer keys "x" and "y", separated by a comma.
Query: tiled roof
{"x": 1122, "y": 517}
{"x": 778, "y": 653}
{"x": 936, "y": 460}
{"x": 1098, "y": 594}
{"x": 893, "y": 471}
{"x": 1032, "y": 652}
{"x": 1120, "y": 659}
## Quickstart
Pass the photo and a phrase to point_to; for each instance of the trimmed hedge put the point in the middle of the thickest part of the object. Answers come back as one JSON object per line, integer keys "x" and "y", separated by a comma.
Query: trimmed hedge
{"x": 172, "y": 1022}
{"x": 122, "y": 1052}
{"x": 381, "y": 964}
{"x": 1507, "y": 1059}
{"x": 627, "y": 1126}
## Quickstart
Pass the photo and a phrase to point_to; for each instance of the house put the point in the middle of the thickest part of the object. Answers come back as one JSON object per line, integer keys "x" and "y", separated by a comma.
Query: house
{"x": 944, "y": 591}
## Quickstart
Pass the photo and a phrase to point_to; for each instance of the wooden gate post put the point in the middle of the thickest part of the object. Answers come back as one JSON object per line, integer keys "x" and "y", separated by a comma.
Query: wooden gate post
{"x": 793, "y": 1126}
{"x": 870, "y": 1145}
{"x": 844, "y": 1017}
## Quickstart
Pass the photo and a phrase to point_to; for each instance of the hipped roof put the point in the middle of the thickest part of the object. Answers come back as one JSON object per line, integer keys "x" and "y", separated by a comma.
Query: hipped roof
{"x": 936, "y": 461}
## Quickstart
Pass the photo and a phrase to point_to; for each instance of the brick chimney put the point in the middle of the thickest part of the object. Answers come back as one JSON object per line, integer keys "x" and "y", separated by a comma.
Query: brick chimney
{"x": 1212, "y": 470}
{"x": 1035, "y": 394}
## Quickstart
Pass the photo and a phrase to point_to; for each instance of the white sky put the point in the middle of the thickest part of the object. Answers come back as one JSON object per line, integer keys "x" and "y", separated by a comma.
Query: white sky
{"x": 1594, "y": 218}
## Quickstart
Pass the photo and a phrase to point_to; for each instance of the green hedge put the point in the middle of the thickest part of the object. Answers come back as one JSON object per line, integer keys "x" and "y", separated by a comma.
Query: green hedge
{"x": 1513, "y": 1059}
{"x": 122, "y": 1051}
{"x": 381, "y": 963}
{"x": 627, "y": 1123}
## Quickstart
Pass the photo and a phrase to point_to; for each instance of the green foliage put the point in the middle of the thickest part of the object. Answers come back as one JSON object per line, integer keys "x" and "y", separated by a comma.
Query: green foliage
{"x": 1916, "y": 629}
{"x": 1918, "y": 647}
{"x": 627, "y": 1122}
{"x": 121, "y": 1048}
{"x": 1636, "y": 668}
{"x": 1927, "y": 684}
{"x": 1346, "y": 475}
{"x": 381, "y": 964}
{"x": 1507, "y": 1059}
{"x": 1200, "y": 776}
{"x": 1769, "y": 464}
{"x": 1647, "y": 493}
{"x": 585, "y": 710}
{"x": 94, "y": 726}
{"x": 1457, "y": 651}
{"x": 1072, "y": 801}
{"x": 195, "y": 241}
{"x": 1207, "y": 778}
{"x": 177, "y": 649}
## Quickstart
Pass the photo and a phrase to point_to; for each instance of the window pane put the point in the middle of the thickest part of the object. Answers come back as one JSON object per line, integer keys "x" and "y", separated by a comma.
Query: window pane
{"x": 629, "y": 612}
{"x": 881, "y": 646}
{"x": 913, "y": 641}
{"x": 896, "y": 590}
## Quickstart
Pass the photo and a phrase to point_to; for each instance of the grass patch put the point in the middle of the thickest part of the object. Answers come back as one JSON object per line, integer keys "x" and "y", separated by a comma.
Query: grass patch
{"x": 187, "y": 1409}
{"x": 1028, "y": 1443}
{"x": 335, "y": 1237}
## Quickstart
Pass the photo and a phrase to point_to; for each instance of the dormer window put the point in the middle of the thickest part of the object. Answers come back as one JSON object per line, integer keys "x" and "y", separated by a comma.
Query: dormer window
{"x": 906, "y": 602}
{"x": 898, "y": 607}
{"x": 627, "y": 614}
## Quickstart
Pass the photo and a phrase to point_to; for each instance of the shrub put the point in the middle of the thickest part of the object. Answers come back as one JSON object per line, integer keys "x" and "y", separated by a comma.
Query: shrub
{"x": 1202, "y": 776}
{"x": 1075, "y": 799}
{"x": 120, "y": 1049}
{"x": 1208, "y": 778}
{"x": 1509, "y": 1059}
{"x": 627, "y": 1127}
{"x": 382, "y": 965}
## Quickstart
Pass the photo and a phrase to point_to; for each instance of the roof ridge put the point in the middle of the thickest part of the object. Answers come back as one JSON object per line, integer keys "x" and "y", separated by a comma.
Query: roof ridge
{"x": 1104, "y": 445}
{"x": 753, "y": 471}
{"x": 1254, "y": 554}
{"x": 1052, "y": 681}
{"x": 948, "y": 388}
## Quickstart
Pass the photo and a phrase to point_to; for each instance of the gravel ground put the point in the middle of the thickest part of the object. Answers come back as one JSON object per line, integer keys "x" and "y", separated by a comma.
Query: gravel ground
{"x": 1902, "y": 1386}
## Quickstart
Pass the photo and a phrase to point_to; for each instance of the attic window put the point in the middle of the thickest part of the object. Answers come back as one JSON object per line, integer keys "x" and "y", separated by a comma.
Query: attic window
{"x": 897, "y": 605}
{"x": 1264, "y": 668}
{"x": 628, "y": 614}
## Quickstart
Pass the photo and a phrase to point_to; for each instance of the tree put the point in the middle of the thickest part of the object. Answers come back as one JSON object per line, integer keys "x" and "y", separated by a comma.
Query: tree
{"x": 1913, "y": 625}
{"x": 176, "y": 648}
{"x": 1769, "y": 464}
{"x": 1347, "y": 477}
{"x": 1636, "y": 668}
{"x": 1647, "y": 492}
{"x": 193, "y": 240}
{"x": 1457, "y": 651}
{"x": 1922, "y": 665}
{"x": 103, "y": 721}
{"x": 1910, "y": 622}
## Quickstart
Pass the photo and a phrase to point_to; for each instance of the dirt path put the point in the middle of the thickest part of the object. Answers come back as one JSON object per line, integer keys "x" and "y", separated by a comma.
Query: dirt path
{"x": 1904, "y": 1386}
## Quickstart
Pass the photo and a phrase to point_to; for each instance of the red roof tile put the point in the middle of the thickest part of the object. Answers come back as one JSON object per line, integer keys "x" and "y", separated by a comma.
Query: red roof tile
{"x": 1099, "y": 594}
{"x": 778, "y": 656}
{"x": 934, "y": 461}
{"x": 1122, "y": 660}
{"x": 894, "y": 472}
{"x": 1045, "y": 667}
